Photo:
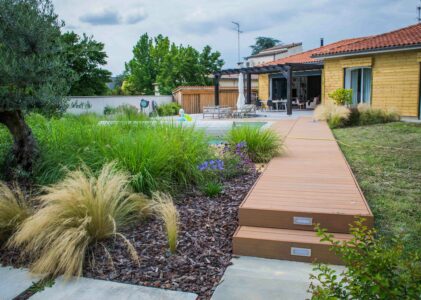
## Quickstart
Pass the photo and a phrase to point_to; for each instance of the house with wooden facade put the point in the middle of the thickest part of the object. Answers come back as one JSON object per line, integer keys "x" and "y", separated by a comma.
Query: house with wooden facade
{"x": 382, "y": 70}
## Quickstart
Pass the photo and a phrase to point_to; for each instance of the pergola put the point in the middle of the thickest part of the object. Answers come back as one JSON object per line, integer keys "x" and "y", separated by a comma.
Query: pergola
{"x": 287, "y": 70}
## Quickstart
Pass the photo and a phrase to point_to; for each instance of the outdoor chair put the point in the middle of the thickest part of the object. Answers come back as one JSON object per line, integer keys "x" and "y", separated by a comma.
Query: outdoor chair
{"x": 312, "y": 104}
{"x": 301, "y": 103}
{"x": 217, "y": 111}
{"x": 270, "y": 104}
{"x": 245, "y": 111}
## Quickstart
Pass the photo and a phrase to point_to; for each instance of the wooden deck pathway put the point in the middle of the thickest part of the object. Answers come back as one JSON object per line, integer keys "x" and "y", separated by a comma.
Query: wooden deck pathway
{"x": 311, "y": 183}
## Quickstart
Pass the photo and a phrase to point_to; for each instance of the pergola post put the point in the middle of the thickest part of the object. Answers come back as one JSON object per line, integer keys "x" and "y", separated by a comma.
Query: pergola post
{"x": 289, "y": 90}
{"x": 248, "y": 100}
{"x": 216, "y": 82}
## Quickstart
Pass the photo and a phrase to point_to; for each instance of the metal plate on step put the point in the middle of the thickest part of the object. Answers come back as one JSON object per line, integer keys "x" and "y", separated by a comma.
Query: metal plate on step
{"x": 300, "y": 251}
{"x": 303, "y": 221}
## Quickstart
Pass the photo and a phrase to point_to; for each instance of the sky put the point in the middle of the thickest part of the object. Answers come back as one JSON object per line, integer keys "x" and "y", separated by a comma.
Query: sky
{"x": 119, "y": 24}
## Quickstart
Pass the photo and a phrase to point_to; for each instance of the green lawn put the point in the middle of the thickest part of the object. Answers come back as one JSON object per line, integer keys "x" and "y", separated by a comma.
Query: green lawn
{"x": 386, "y": 159}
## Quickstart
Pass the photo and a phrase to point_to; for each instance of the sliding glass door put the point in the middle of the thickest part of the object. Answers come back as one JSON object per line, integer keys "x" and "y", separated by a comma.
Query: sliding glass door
{"x": 359, "y": 80}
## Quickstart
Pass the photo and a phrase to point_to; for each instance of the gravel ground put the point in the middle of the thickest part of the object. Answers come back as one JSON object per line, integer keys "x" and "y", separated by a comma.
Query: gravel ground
{"x": 204, "y": 247}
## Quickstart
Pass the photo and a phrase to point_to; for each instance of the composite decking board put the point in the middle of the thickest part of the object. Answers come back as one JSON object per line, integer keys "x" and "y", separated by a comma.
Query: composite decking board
{"x": 313, "y": 173}
{"x": 286, "y": 235}
{"x": 277, "y": 244}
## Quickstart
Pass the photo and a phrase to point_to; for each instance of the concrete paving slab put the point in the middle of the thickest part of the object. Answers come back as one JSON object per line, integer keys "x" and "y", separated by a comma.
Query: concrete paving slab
{"x": 14, "y": 281}
{"x": 259, "y": 278}
{"x": 88, "y": 289}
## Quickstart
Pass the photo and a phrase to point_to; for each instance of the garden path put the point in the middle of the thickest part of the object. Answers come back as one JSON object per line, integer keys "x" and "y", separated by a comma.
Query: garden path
{"x": 310, "y": 184}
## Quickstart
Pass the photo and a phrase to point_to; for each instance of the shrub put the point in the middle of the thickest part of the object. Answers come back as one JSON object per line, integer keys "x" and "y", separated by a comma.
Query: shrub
{"x": 371, "y": 116}
{"x": 341, "y": 96}
{"x": 81, "y": 210}
{"x": 262, "y": 145}
{"x": 159, "y": 156}
{"x": 374, "y": 269}
{"x": 165, "y": 209}
{"x": 169, "y": 109}
{"x": 338, "y": 116}
{"x": 212, "y": 189}
{"x": 13, "y": 210}
{"x": 335, "y": 115}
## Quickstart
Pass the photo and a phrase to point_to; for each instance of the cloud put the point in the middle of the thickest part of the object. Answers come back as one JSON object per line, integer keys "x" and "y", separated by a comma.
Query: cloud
{"x": 135, "y": 17}
{"x": 104, "y": 17}
{"x": 111, "y": 16}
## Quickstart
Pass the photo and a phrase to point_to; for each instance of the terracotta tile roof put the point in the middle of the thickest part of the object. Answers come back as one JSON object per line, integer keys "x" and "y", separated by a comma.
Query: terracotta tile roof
{"x": 306, "y": 57}
{"x": 408, "y": 36}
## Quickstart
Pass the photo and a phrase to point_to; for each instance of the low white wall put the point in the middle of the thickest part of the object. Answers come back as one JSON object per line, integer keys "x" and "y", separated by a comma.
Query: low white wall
{"x": 79, "y": 105}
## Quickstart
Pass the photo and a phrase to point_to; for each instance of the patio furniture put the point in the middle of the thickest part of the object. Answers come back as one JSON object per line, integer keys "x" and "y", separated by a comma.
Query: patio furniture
{"x": 269, "y": 104}
{"x": 258, "y": 104}
{"x": 217, "y": 111}
{"x": 244, "y": 111}
{"x": 312, "y": 103}
{"x": 301, "y": 103}
{"x": 280, "y": 103}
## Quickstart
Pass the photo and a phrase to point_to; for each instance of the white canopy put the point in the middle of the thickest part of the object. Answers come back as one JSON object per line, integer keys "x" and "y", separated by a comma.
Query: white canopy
{"x": 241, "y": 101}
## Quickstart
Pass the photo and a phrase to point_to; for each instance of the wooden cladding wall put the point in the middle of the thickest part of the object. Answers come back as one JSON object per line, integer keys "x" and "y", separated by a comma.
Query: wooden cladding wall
{"x": 194, "y": 99}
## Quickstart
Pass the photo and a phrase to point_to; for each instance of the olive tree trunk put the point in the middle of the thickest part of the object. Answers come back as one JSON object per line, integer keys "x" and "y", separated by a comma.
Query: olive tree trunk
{"x": 25, "y": 148}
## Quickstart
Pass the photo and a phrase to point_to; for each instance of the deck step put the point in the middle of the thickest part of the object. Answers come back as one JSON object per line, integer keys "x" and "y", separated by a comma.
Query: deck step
{"x": 336, "y": 221}
{"x": 286, "y": 244}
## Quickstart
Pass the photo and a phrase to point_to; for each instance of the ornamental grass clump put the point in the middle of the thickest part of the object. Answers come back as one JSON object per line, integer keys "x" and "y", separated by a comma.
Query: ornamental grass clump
{"x": 159, "y": 156}
{"x": 163, "y": 206}
{"x": 13, "y": 210}
{"x": 262, "y": 144}
{"x": 335, "y": 115}
{"x": 79, "y": 211}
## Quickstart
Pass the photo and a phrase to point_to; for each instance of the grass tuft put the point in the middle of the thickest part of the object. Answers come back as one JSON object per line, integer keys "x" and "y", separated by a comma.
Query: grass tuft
{"x": 165, "y": 209}
{"x": 80, "y": 210}
{"x": 212, "y": 189}
{"x": 13, "y": 210}
{"x": 262, "y": 145}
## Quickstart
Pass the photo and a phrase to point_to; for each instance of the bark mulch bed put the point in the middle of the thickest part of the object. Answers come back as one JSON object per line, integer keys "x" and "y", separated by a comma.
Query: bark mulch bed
{"x": 204, "y": 247}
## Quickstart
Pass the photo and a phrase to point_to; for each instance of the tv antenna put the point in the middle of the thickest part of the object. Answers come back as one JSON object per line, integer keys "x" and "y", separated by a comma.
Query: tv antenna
{"x": 419, "y": 12}
{"x": 237, "y": 24}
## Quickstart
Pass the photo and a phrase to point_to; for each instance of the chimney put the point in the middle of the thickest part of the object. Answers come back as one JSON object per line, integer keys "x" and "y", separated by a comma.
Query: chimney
{"x": 322, "y": 42}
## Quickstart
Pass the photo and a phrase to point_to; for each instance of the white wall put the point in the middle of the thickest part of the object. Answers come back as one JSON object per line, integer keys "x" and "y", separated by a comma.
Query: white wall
{"x": 98, "y": 103}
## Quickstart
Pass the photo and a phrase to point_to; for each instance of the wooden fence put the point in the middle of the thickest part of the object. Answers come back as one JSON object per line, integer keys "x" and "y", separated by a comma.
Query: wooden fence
{"x": 193, "y": 99}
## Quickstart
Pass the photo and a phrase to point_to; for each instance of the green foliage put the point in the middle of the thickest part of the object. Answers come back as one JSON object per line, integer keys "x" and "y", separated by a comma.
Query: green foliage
{"x": 159, "y": 156}
{"x": 124, "y": 112}
{"x": 85, "y": 56}
{"x": 157, "y": 60}
{"x": 32, "y": 70}
{"x": 212, "y": 189}
{"x": 338, "y": 116}
{"x": 386, "y": 159}
{"x": 170, "y": 109}
{"x": 374, "y": 269}
{"x": 262, "y": 145}
{"x": 263, "y": 43}
{"x": 341, "y": 96}
{"x": 39, "y": 286}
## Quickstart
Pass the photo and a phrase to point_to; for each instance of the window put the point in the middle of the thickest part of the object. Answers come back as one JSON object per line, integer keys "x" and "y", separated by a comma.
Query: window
{"x": 359, "y": 80}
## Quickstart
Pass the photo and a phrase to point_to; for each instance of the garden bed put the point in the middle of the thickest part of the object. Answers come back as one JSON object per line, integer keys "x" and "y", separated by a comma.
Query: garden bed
{"x": 204, "y": 246}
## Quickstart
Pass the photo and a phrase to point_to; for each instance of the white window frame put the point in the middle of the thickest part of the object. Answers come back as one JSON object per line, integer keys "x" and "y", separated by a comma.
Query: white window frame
{"x": 347, "y": 81}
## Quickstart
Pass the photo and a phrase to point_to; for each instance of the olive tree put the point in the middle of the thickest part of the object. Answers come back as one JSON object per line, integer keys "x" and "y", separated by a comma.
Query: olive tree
{"x": 32, "y": 73}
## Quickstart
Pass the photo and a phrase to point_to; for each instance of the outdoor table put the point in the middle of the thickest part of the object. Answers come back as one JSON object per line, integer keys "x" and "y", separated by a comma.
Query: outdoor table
{"x": 277, "y": 103}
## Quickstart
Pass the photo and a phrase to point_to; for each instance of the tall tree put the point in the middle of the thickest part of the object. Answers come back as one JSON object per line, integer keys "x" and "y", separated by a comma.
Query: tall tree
{"x": 85, "y": 56}
{"x": 159, "y": 61}
{"x": 32, "y": 72}
{"x": 262, "y": 43}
